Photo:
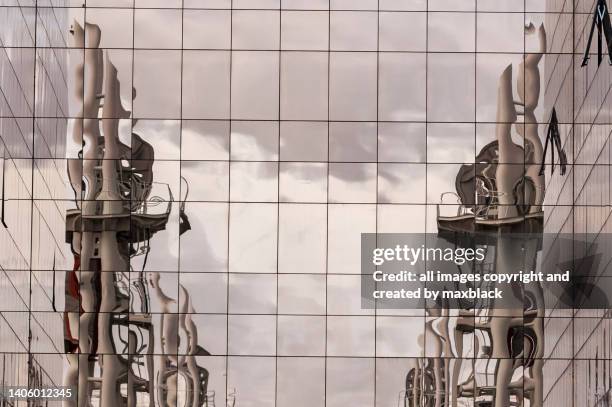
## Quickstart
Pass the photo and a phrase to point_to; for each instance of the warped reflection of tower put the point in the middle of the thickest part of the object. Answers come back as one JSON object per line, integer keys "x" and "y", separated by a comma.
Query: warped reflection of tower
{"x": 501, "y": 193}
{"x": 110, "y": 332}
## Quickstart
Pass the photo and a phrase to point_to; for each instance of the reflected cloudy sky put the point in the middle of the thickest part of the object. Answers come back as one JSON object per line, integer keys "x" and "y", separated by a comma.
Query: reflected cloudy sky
{"x": 254, "y": 237}
{"x": 305, "y": 128}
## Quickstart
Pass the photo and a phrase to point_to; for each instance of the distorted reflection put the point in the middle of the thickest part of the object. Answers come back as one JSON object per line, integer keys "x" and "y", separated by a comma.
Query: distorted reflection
{"x": 120, "y": 351}
{"x": 503, "y": 191}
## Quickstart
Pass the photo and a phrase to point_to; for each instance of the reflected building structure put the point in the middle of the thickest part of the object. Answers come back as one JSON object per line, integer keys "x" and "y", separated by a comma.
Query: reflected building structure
{"x": 569, "y": 359}
{"x": 118, "y": 351}
{"x": 500, "y": 195}
{"x": 580, "y": 201}
{"x": 34, "y": 119}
